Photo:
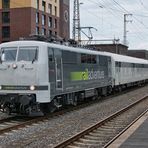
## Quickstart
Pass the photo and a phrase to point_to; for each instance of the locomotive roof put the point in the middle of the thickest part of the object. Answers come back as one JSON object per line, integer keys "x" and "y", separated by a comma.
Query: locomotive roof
{"x": 59, "y": 46}
{"x": 116, "y": 57}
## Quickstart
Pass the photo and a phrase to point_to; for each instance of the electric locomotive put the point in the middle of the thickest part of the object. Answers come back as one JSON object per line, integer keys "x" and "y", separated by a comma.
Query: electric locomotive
{"x": 39, "y": 77}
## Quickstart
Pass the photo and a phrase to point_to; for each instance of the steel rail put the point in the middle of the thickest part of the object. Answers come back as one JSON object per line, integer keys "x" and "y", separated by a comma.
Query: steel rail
{"x": 9, "y": 124}
{"x": 125, "y": 129}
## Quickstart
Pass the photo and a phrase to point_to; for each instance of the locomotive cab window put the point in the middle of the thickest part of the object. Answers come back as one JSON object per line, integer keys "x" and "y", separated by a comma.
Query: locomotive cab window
{"x": 8, "y": 54}
{"x": 28, "y": 54}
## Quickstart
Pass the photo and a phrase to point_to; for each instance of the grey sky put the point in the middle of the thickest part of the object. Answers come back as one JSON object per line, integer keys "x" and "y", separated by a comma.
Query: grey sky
{"x": 107, "y": 17}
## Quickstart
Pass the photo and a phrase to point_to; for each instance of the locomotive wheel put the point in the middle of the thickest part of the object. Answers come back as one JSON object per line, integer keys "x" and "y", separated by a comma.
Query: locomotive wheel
{"x": 75, "y": 101}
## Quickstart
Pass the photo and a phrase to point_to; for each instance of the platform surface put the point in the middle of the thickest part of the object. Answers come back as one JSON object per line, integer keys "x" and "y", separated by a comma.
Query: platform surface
{"x": 139, "y": 139}
{"x": 135, "y": 137}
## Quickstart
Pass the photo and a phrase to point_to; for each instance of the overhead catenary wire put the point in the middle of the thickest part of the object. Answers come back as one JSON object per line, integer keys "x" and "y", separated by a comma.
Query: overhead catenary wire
{"x": 121, "y": 11}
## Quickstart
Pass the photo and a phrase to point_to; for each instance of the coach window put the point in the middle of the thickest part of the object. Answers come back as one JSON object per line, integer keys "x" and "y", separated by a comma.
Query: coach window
{"x": 116, "y": 64}
{"x": 93, "y": 59}
{"x": 103, "y": 61}
{"x": 89, "y": 59}
{"x": 83, "y": 58}
{"x": 133, "y": 65}
{"x": 119, "y": 66}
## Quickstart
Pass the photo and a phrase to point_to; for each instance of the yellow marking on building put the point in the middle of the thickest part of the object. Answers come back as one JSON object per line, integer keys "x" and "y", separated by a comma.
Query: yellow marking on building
{"x": 20, "y": 3}
{"x": 0, "y": 4}
{"x": 33, "y": 4}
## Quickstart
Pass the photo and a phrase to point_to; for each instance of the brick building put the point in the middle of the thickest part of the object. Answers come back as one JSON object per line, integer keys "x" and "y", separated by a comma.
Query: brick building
{"x": 143, "y": 54}
{"x": 113, "y": 48}
{"x": 21, "y": 18}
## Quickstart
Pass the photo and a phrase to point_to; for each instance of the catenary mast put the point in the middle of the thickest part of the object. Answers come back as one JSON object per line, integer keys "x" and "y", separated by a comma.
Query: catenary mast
{"x": 76, "y": 22}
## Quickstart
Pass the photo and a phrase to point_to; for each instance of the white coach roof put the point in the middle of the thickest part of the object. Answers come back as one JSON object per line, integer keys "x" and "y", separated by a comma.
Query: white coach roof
{"x": 122, "y": 58}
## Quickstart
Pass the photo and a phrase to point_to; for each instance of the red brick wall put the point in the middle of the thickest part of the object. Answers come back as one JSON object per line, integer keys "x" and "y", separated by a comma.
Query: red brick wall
{"x": 20, "y": 23}
{"x": 23, "y": 23}
{"x": 113, "y": 48}
{"x": 64, "y": 27}
{"x": 138, "y": 53}
{"x": 0, "y": 25}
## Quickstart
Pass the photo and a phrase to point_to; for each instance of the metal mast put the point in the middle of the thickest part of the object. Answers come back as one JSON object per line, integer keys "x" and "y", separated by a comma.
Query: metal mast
{"x": 125, "y": 30}
{"x": 76, "y": 21}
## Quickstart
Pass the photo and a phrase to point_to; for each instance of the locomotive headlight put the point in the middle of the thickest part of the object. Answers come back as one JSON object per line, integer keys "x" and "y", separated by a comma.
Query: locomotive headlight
{"x": 14, "y": 66}
{"x": 32, "y": 87}
{"x": 0, "y": 87}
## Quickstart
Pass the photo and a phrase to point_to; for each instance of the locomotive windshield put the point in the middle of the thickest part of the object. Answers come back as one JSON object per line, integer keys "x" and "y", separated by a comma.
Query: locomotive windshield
{"x": 27, "y": 54}
{"x": 8, "y": 54}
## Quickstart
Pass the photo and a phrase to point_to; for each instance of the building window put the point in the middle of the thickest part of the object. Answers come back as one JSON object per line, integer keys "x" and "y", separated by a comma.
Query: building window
{"x": 43, "y": 31}
{"x": 37, "y": 17}
{"x": 55, "y": 9}
{"x": 5, "y": 4}
{"x": 49, "y": 8}
{"x": 50, "y": 22}
{"x": 55, "y": 23}
{"x": 37, "y": 31}
{"x": 43, "y": 19}
{"x": 37, "y": 4}
{"x": 43, "y": 6}
{"x": 50, "y": 33}
{"x": 55, "y": 33}
{"x": 5, "y": 32}
{"x": 5, "y": 17}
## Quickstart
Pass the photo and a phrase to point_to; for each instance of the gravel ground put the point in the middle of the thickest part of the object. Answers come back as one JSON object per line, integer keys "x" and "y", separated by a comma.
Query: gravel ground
{"x": 55, "y": 130}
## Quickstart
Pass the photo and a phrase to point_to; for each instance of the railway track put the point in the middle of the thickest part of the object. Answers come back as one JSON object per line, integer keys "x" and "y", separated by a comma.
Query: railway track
{"x": 16, "y": 122}
{"x": 105, "y": 132}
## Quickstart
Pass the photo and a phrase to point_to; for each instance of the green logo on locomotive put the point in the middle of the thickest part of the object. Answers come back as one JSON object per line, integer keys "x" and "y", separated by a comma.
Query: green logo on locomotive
{"x": 87, "y": 75}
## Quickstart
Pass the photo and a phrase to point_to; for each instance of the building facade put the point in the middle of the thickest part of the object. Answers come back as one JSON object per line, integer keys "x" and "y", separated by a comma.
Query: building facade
{"x": 141, "y": 53}
{"x": 113, "y": 48}
{"x": 22, "y": 18}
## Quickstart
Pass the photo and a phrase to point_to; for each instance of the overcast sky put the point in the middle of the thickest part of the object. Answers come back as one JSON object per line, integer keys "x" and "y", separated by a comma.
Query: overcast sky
{"x": 107, "y": 16}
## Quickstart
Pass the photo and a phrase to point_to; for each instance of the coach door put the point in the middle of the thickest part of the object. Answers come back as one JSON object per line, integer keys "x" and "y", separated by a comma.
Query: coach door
{"x": 58, "y": 69}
